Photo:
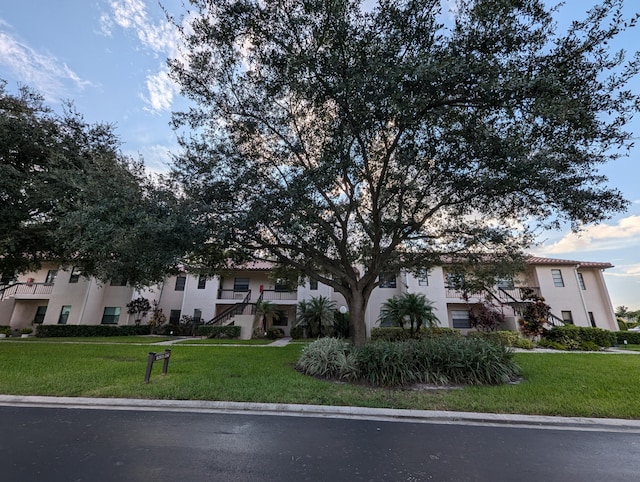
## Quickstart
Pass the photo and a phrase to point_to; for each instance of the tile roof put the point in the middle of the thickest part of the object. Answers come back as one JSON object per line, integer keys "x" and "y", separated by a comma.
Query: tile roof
{"x": 561, "y": 262}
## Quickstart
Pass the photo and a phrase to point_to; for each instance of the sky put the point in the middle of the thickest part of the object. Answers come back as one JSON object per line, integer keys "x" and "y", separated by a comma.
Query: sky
{"x": 109, "y": 58}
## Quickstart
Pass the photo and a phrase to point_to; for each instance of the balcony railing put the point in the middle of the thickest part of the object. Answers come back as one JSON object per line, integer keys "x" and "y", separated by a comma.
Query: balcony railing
{"x": 277, "y": 295}
{"x": 233, "y": 294}
{"x": 9, "y": 291}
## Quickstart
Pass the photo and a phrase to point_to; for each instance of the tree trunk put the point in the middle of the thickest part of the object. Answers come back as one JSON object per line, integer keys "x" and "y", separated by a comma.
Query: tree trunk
{"x": 357, "y": 302}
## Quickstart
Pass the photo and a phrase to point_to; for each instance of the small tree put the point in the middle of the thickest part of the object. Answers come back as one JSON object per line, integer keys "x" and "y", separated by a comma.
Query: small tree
{"x": 535, "y": 314}
{"x": 139, "y": 306}
{"x": 485, "y": 316}
{"x": 266, "y": 312}
{"x": 413, "y": 308}
{"x": 158, "y": 318}
{"x": 317, "y": 315}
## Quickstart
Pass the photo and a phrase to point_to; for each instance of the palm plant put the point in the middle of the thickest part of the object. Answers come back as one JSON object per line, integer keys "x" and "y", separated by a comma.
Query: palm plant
{"x": 266, "y": 312}
{"x": 409, "y": 307}
{"x": 317, "y": 315}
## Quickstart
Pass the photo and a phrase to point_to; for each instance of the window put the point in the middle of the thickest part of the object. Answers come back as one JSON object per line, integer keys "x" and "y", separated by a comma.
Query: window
{"x": 592, "y": 320}
{"x": 111, "y": 315}
{"x": 241, "y": 284}
{"x": 174, "y": 317}
{"x": 51, "y": 276}
{"x": 505, "y": 283}
{"x": 454, "y": 280}
{"x": 40, "y": 312}
{"x": 282, "y": 286}
{"x": 202, "y": 282}
{"x": 313, "y": 284}
{"x": 387, "y": 280}
{"x": 118, "y": 282}
{"x": 180, "y": 282}
{"x": 64, "y": 314}
{"x": 75, "y": 275}
{"x": 7, "y": 279}
{"x": 581, "y": 281}
{"x": 556, "y": 274}
{"x": 197, "y": 316}
{"x": 567, "y": 317}
{"x": 460, "y": 319}
{"x": 423, "y": 278}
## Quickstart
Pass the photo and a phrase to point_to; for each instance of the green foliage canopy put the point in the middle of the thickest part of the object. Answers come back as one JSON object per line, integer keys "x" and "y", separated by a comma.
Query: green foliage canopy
{"x": 344, "y": 141}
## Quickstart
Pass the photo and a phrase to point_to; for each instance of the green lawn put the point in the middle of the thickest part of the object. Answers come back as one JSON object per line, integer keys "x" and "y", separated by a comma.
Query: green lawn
{"x": 94, "y": 339}
{"x": 570, "y": 384}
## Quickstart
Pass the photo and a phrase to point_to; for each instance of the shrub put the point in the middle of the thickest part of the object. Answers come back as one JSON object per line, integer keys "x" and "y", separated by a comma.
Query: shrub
{"x": 274, "y": 333}
{"x": 53, "y": 331}
{"x": 525, "y": 344}
{"x": 389, "y": 334}
{"x": 589, "y": 346}
{"x": 396, "y": 363}
{"x": 387, "y": 363}
{"x": 297, "y": 332}
{"x": 579, "y": 334}
{"x": 438, "y": 331}
{"x": 632, "y": 337}
{"x": 5, "y": 330}
{"x": 554, "y": 345}
{"x": 503, "y": 337}
{"x": 26, "y": 331}
{"x": 328, "y": 358}
{"x": 209, "y": 331}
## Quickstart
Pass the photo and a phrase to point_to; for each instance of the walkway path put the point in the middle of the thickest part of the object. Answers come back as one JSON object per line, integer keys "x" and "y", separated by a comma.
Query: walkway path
{"x": 280, "y": 342}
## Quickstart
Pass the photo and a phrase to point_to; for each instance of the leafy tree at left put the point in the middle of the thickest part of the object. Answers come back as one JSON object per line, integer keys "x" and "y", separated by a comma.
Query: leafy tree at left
{"x": 68, "y": 194}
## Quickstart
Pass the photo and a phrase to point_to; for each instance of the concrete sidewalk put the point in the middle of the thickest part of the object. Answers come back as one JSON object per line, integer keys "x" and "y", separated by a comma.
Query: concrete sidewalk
{"x": 327, "y": 411}
{"x": 280, "y": 342}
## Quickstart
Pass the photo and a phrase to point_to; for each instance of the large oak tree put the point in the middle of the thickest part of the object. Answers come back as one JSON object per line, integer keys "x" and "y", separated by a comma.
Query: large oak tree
{"x": 344, "y": 140}
{"x": 68, "y": 195}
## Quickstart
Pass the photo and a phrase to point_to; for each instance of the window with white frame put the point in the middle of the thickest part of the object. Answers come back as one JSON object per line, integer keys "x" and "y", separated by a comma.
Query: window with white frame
{"x": 40, "y": 312}
{"x": 581, "y": 281}
{"x": 556, "y": 274}
{"x": 241, "y": 284}
{"x": 111, "y": 315}
{"x": 64, "y": 314}
{"x": 567, "y": 317}
{"x": 505, "y": 283}
{"x": 460, "y": 319}
{"x": 423, "y": 278}
{"x": 313, "y": 284}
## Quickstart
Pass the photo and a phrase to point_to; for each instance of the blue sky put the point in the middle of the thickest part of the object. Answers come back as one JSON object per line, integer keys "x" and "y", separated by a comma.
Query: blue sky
{"x": 108, "y": 57}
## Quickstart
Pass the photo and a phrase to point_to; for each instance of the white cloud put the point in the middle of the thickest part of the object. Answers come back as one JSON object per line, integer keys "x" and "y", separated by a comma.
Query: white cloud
{"x": 599, "y": 237}
{"x": 161, "y": 90}
{"x": 627, "y": 270}
{"x": 157, "y": 36}
{"x": 51, "y": 77}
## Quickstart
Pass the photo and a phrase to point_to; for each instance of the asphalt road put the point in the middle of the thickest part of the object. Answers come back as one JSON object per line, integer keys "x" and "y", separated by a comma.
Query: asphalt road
{"x": 57, "y": 444}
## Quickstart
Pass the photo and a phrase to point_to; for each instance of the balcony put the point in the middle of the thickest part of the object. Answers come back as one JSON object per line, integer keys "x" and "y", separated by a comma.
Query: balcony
{"x": 26, "y": 291}
{"x": 279, "y": 295}
{"x": 233, "y": 294}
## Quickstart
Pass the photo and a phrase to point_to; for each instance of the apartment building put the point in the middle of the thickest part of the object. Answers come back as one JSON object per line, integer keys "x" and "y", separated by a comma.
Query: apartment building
{"x": 575, "y": 290}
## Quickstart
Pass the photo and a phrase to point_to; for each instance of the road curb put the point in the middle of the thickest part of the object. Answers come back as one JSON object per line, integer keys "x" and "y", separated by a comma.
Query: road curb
{"x": 382, "y": 414}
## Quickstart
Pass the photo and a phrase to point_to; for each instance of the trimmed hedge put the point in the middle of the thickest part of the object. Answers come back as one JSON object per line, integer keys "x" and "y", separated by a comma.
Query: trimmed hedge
{"x": 399, "y": 334}
{"x": 57, "y": 331}
{"x": 5, "y": 330}
{"x": 632, "y": 337}
{"x": 567, "y": 334}
{"x": 229, "y": 331}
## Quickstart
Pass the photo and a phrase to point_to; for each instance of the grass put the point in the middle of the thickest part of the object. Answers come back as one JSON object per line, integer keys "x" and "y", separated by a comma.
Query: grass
{"x": 630, "y": 347}
{"x": 96, "y": 339}
{"x": 570, "y": 384}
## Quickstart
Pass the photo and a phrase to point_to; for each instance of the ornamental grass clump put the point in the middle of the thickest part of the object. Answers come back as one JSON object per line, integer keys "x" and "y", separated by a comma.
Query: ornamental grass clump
{"x": 328, "y": 358}
{"x": 441, "y": 360}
